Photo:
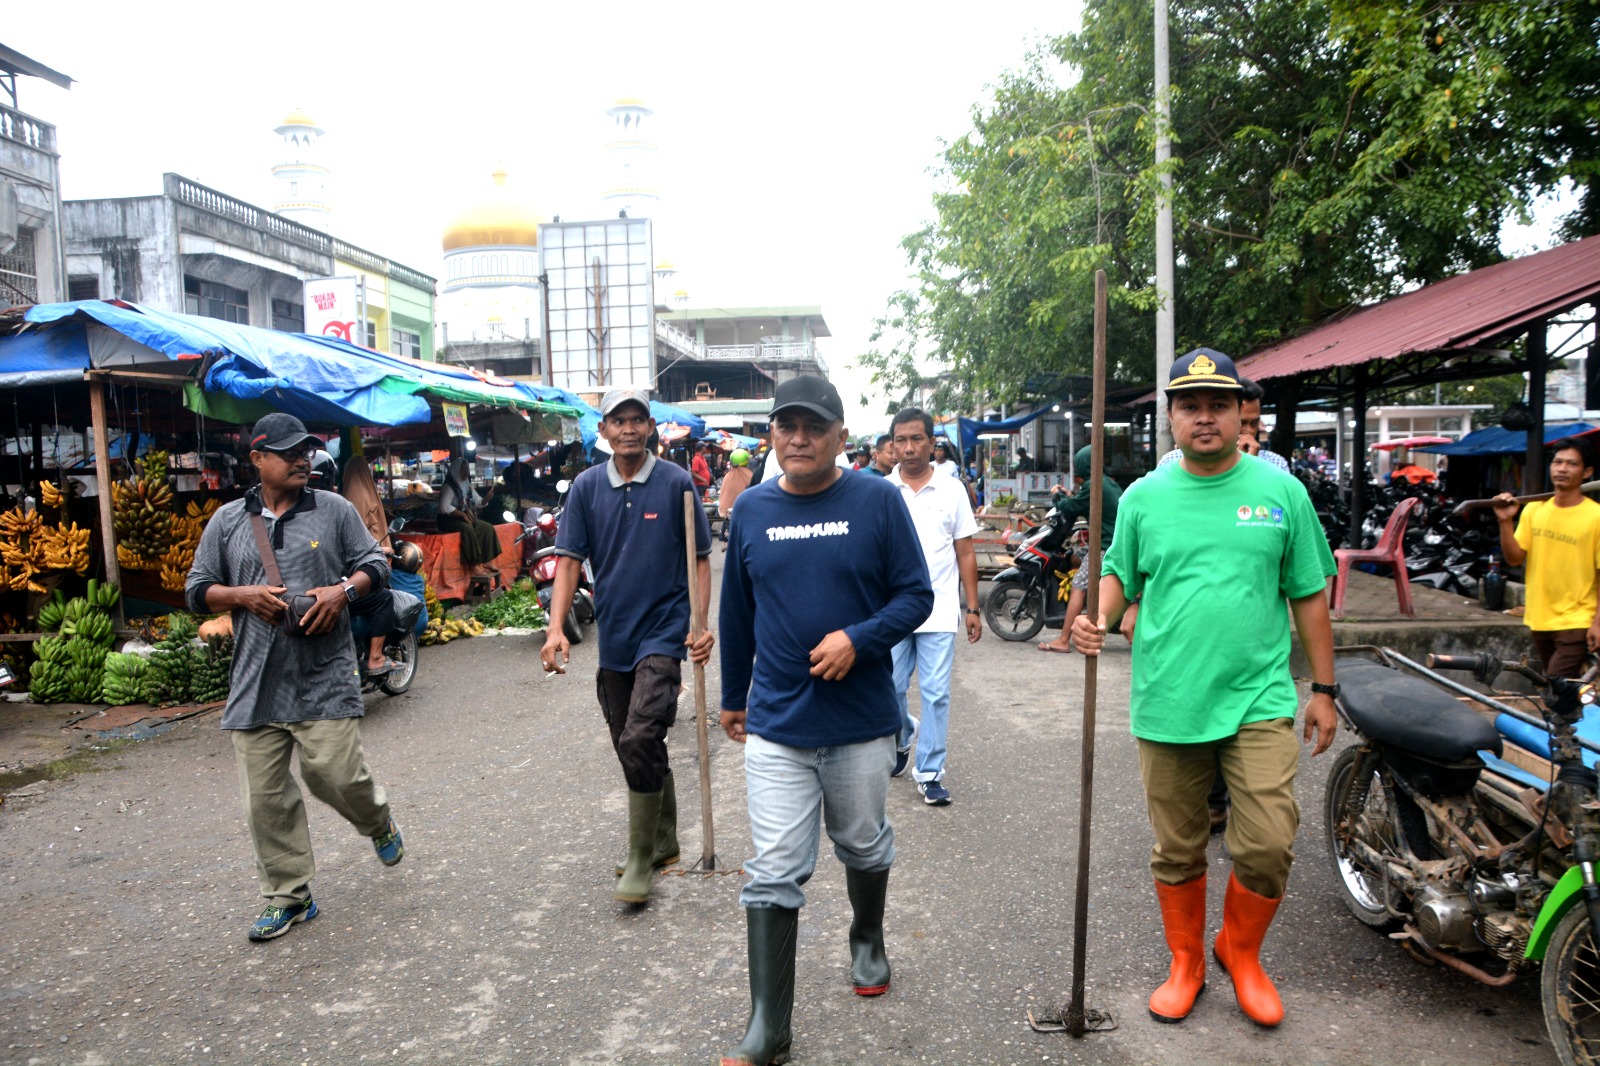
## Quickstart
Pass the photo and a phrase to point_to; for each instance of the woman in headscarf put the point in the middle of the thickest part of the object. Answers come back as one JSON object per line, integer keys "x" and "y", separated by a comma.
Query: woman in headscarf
{"x": 458, "y": 514}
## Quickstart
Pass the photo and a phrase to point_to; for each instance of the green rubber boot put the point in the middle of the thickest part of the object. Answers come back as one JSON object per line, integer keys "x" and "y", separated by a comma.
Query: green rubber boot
{"x": 644, "y": 811}
{"x": 666, "y": 853}
{"x": 771, "y": 939}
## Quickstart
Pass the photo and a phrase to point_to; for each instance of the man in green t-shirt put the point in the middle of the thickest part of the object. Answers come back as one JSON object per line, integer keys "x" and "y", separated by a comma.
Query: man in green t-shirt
{"x": 1559, "y": 539}
{"x": 1214, "y": 546}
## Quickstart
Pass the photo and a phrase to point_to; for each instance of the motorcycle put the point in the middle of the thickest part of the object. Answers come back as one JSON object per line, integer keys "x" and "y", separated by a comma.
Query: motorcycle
{"x": 1024, "y": 597}
{"x": 1472, "y": 837}
{"x": 540, "y": 564}
{"x": 399, "y": 646}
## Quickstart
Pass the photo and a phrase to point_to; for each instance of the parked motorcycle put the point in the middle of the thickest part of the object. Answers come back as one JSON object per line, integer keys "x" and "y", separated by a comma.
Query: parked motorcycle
{"x": 399, "y": 646}
{"x": 1470, "y": 851}
{"x": 1025, "y": 597}
{"x": 540, "y": 565}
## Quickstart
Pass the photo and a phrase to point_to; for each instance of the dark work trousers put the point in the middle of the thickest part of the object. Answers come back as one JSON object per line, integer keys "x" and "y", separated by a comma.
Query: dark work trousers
{"x": 378, "y": 609}
{"x": 640, "y": 705}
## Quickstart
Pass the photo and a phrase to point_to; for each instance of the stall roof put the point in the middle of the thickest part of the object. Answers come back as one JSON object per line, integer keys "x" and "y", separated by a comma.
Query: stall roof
{"x": 318, "y": 379}
{"x": 1496, "y": 440}
{"x": 1457, "y": 316}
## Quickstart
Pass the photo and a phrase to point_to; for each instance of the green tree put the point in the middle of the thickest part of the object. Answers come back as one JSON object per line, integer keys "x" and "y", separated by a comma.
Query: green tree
{"x": 1325, "y": 155}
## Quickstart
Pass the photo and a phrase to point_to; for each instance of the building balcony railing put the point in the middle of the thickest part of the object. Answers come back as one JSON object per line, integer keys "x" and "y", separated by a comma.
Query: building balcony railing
{"x": 788, "y": 352}
{"x": 217, "y": 203}
{"x": 679, "y": 340}
{"x": 25, "y": 129}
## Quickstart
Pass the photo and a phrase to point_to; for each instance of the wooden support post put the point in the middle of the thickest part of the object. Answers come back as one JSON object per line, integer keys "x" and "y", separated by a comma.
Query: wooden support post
{"x": 99, "y": 430}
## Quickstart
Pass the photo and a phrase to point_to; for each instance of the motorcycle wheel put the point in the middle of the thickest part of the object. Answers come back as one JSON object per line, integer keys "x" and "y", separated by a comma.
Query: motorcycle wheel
{"x": 1361, "y": 888}
{"x": 1013, "y": 612}
{"x": 572, "y": 627}
{"x": 1569, "y": 988}
{"x": 404, "y": 652}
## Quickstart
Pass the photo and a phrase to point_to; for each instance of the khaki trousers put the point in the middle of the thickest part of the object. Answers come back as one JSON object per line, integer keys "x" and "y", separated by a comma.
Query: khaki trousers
{"x": 334, "y": 769}
{"x": 1259, "y": 764}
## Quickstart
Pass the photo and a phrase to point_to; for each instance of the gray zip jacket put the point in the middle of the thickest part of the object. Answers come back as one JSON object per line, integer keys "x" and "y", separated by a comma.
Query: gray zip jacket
{"x": 276, "y": 677}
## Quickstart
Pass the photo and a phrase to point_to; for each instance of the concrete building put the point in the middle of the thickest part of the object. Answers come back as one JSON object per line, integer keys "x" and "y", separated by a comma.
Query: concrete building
{"x": 32, "y": 265}
{"x": 199, "y": 251}
{"x": 737, "y": 352}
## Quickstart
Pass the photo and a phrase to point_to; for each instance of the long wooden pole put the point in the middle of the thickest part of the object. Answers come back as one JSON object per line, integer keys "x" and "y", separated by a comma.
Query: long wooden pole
{"x": 1076, "y": 1019}
{"x": 708, "y": 845}
{"x": 100, "y": 431}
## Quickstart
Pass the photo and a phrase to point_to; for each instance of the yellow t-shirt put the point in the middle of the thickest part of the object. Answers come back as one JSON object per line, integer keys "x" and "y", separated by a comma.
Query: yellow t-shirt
{"x": 1563, "y": 546}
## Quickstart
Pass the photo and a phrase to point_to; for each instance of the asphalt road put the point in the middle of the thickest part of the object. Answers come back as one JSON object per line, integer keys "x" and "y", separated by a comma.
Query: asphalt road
{"x": 127, "y": 893}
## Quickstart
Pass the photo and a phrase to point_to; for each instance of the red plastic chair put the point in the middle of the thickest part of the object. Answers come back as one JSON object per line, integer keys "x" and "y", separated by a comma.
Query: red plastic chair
{"x": 1391, "y": 549}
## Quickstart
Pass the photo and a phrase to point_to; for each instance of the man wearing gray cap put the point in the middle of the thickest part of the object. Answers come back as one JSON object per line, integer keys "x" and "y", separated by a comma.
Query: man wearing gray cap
{"x": 626, "y": 519}
{"x": 1218, "y": 535}
{"x": 293, "y": 690}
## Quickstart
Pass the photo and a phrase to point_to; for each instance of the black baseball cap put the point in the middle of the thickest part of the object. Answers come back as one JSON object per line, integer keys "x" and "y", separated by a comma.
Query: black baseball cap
{"x": 1203, "y": 368}
{"x": 810, "y": 393}
{"x": 279, "y": 432}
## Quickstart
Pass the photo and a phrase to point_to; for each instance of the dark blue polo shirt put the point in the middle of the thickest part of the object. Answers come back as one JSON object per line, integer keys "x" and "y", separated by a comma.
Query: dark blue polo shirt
{"x": 632, "y": 534}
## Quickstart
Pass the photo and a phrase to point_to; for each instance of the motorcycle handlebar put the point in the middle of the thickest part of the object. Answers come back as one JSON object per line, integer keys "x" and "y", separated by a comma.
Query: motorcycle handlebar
{"x": 1452, "y": 662}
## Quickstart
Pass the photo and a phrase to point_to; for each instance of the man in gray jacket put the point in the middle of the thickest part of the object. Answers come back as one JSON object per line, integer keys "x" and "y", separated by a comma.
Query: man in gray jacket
{"x": 292, "y": 691}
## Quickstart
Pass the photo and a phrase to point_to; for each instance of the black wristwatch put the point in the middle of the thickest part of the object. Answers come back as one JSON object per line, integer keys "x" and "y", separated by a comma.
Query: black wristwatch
{"x": 1325, "y": 690}
{"x": 974, "y": 610}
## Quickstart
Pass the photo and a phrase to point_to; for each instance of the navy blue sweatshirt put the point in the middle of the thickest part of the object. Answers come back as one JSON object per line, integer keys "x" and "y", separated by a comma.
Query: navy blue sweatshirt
{"x": 798, "y": 568}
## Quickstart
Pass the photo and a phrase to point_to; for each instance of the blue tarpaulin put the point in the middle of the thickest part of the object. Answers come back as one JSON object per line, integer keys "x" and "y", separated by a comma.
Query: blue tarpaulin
{"x": 1498, "y": 441}
{"x": 971, "y": 427}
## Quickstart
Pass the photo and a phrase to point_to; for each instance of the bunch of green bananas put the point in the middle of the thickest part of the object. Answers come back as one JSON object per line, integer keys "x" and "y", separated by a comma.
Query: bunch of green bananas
{"x": 169, "y": 674}
{"x": 48, "y": 681}
{"x": 124, "y": 678}
{"x": 53, "y": 611}
{"x": 213, "y": 669}
{"x": 102, "y": 594}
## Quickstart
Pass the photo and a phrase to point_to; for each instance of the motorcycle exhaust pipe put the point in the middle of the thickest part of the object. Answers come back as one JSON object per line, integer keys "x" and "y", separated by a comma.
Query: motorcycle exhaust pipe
{"x": 1413, "y": 938}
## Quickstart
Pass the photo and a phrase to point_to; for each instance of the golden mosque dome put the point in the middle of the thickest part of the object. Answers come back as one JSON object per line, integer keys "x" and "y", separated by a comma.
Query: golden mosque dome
{"x": 499, "y": 221}
{"x": 298, "y": 117}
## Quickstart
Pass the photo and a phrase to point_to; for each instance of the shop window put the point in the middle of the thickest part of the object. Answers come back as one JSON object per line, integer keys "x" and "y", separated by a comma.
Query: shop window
{"x": 404, "y": 342}
{"x": 288, "y": 316}
{"x": 213, "y": 300}
{"x": 19, "y": 276}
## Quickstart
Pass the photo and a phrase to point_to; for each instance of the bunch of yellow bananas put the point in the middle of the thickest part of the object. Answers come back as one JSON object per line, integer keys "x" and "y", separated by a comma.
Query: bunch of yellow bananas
{"x": 21, "y": 549}
{"x": 50, "y": 495}
{"x": 175, "y": 566}
{"x": 66, "y": 547}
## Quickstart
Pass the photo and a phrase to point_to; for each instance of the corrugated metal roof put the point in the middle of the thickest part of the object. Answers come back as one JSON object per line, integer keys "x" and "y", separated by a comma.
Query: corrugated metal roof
{"x": 1466, "y": 311}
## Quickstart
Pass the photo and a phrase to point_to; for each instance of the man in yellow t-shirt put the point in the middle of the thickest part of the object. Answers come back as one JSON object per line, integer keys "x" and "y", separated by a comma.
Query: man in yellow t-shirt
{"x": 1559, "y": 539}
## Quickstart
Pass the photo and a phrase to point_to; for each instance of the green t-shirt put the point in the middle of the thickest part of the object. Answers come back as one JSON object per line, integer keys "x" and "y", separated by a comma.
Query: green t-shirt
{"x": 1213, "y": 561}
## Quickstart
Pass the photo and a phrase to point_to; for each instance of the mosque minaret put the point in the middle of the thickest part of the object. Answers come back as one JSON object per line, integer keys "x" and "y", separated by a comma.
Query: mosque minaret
{"x": 302, "y": 179}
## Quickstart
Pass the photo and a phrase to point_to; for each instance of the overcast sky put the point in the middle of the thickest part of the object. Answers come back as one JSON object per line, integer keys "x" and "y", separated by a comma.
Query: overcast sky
{"x": 795, "y": 142}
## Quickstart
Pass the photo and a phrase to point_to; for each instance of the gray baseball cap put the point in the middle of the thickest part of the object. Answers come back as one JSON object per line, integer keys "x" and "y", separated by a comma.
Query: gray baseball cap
{"x": 617, "y": 397}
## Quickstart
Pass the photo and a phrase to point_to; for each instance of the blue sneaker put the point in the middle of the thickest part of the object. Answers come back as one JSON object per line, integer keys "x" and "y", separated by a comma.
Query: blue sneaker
{"x": 902, "y": 756}
{"x": 275, "y": 921}
{"x": 388, "y": 844}
{"x": 934, "y": 794}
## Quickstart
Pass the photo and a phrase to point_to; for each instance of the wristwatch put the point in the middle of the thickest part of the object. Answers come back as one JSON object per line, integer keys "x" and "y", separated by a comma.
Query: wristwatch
{"x": 1325, "y": 690}
{"x": 349, "y": 590}
{"x": 974, "y": 610}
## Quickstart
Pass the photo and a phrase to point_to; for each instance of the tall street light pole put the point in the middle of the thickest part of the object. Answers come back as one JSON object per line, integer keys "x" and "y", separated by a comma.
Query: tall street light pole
{"x": 1164, "y": 268}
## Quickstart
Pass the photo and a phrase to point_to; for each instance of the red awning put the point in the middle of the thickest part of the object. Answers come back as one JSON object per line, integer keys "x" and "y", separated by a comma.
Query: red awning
{"x": 1465, "y": 312}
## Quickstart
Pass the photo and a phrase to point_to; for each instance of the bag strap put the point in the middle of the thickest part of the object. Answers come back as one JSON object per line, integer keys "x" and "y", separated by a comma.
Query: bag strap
{"x": 269, "y": 560}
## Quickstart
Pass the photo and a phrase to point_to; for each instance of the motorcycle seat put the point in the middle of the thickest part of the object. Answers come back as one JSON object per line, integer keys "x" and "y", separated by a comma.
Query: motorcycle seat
{"x": 1406, "y": 712}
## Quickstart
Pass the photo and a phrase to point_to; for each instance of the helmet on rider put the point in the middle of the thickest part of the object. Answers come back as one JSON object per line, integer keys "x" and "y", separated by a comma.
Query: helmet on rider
{"x": 740, "y": 457}
{"x": 407, "y": 557}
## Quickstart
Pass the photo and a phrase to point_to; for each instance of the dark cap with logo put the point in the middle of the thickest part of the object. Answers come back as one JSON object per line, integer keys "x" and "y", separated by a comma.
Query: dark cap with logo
{"x": 1203, "y": 368}
{"x": 810, "y": 393}
{"x": 279, "y": 432}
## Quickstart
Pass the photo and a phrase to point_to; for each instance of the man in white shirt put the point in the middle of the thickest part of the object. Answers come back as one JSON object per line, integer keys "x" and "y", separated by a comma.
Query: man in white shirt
{"x": 942, "y": 514}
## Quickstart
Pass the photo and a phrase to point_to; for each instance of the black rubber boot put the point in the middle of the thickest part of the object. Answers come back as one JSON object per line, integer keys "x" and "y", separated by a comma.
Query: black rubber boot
{"x": 644, "y": 811}
{"x": 869, "y": 963}
{"x": 666, "y": 853}
{"x": 767, "y": 1036}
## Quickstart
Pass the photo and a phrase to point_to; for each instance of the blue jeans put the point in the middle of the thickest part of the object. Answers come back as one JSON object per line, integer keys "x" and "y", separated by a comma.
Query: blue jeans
{"x": 788, "y": 787}
{"x": 932, "y": 655}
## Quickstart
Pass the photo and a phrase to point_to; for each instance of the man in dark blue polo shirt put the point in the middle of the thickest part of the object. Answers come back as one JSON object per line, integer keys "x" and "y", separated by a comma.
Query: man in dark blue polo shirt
{"x": 626, "y": 518}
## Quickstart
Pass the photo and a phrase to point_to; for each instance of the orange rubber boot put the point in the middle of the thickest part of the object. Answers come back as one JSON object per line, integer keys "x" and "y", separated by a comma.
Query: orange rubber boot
{"x": 1183, "y": 916}
{"x": 1245, "y": 918}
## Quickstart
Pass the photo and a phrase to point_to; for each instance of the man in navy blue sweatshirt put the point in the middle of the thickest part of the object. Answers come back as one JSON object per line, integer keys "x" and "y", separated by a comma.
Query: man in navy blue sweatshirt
{"x": 819, "y": 578}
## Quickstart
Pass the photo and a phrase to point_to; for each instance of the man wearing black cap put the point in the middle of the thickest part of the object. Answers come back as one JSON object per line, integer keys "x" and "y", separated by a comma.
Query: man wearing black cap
{"x": 1215, "y": 536}
{"x": 819, "y": 578}
{"x": 293, "y": 691}
{"x": 626, "y": 518}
